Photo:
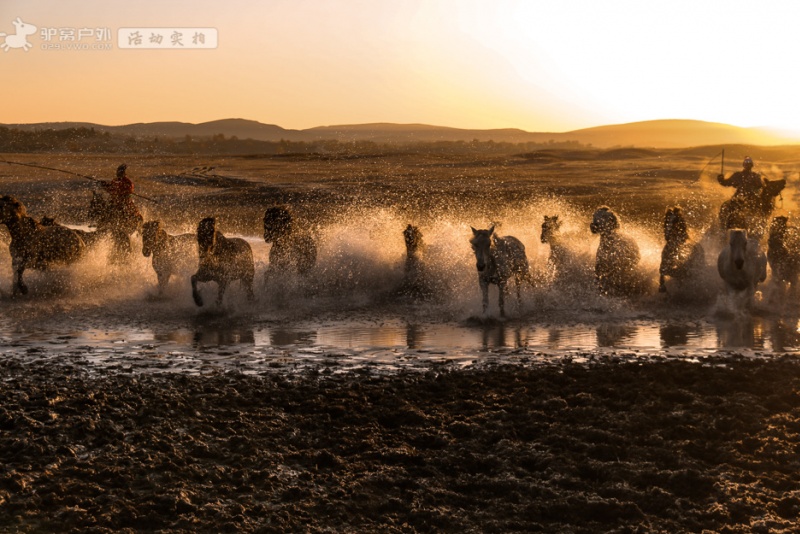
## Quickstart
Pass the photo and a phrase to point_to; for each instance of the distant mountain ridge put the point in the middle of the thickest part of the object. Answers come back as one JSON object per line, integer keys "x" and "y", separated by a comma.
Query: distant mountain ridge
{"x": 669, "y": 133}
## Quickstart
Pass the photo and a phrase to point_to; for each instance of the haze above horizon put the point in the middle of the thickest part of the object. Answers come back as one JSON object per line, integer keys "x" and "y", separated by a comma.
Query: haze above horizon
{"x": 533, "y": 65}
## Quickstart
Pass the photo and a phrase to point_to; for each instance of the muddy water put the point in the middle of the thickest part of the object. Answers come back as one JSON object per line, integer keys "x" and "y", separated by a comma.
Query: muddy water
{"x": 349, "y": 312}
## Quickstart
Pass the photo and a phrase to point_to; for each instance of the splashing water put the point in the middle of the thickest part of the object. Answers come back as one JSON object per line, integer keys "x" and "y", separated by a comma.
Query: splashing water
{"x": 349, "y": 307}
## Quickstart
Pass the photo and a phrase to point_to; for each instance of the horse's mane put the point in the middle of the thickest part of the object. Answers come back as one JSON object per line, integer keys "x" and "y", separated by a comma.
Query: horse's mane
{"x": 604, "y": 219}
{"x": 207, "y": 233}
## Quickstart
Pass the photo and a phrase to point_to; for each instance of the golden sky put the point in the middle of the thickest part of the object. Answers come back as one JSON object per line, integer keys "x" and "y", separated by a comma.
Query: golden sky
{"x": 538, "y": 65}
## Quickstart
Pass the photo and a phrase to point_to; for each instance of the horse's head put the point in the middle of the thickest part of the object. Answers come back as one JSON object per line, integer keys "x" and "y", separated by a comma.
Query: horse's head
{"x": 482, "y": 244}
{"x": 675, "y": 228}
{"x": 550, "y": 228}
{"x": 413, "y": 239}
{"x": 737, "y": 241}
{"x": 604, "y": 221}
{"x": 10, "y": 209}
{"x": 150, "y": 234}
{"x": 277, "y": 223}
{"x": 773, "y": 188}
{"x": 206, "y": 235}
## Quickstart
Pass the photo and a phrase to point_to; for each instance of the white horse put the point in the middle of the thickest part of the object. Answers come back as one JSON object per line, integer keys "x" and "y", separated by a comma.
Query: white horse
{"x": 617, "y": 255}
{"x": 498, "y": 259}
{"x": 681, "y": 257}
{"x": 741, "y": 264}
{"x": 171, "y": 253}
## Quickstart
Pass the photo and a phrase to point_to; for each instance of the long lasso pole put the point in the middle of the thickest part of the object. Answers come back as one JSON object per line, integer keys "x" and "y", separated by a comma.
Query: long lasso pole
{"x": 92, "y": 178}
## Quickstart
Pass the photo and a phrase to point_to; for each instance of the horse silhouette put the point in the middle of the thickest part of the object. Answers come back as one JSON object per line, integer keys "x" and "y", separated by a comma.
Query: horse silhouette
{"x": 118, "y": 223}
{"x": 617, "y": 255}
{"x": 783, "y": 251}
{"x": 36, "y": 246}
{"x": 20, "y": 38}
{"x": 171, "y": 253}
{"x": 739, "y": 213}
{"x": 681, "y": 256}
{"x": 222, "y": 260}
{"x": 498, "y": 260}
{"x": 293, "y": 249}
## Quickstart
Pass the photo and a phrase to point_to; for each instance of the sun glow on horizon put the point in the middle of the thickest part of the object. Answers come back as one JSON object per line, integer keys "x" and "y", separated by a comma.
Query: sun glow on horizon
{"x": 533, "y": 65}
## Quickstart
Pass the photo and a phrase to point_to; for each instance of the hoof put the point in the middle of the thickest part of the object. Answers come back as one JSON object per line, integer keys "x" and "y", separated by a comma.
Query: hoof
{"x": 197, "y": 299}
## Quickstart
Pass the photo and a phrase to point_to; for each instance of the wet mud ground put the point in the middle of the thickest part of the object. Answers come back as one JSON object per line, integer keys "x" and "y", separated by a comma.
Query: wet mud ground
{"x": 614, "y": 446}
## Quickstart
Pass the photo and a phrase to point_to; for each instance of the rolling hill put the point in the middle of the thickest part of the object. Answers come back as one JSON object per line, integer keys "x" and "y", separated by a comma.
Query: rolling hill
{"x": 671, "y": 133}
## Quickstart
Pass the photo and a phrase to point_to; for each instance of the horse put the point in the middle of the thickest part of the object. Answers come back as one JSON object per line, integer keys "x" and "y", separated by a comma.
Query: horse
{"x": 222, "y": 260}
{"x": 171, "y": 253}
{"x": 416, "y": 281}
{"x": 292, "y": 248}
{"x": 560, "y": 255}
{"x": 783, "y": 251}
{"x": 741, "y": 264}
{"x": 681, "y": 256}
{"x": 89, "y": 238}
{"x": 118, "y": 223}
{"x": 617, "y": 255}
{"x": 35, "y": 246}
{"x": 751, "y": 216}
{"x": 499, "y": 259}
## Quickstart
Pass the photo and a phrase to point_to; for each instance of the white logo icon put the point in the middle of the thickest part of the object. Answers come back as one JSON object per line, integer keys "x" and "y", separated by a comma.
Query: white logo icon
{"x": 20, "y": 39}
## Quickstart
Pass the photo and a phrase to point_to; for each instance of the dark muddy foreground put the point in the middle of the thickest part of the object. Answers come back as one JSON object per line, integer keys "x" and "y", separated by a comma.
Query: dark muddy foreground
{"x": 616, "y": 447}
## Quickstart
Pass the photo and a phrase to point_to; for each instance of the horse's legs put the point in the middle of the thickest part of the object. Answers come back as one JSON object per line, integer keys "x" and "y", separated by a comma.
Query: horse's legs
{"x": 18, "y": 285}
{"x": 502, "y": 288}
{"x": 484, "y": 293}
{"x": 662, "y": 284}
{"x": 198, "y": 299}
{"x": 222, "y": 285}
{"x": 163, "y": 280}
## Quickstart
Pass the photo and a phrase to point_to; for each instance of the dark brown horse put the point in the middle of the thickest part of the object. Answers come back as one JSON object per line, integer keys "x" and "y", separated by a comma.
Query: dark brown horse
{"x": 34, "y": 246}
{"x": 222, "y": 260}
{"x": 681, "y": 256}
{"x": 752, "y": 216}
{"x": 783, "y": 253}
{"x": 116, "y": 221}
{"x": 171, "y": 253}
{"x": 293, "y": 248}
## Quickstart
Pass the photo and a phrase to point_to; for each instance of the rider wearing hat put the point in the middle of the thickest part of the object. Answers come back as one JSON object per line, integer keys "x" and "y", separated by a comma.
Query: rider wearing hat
{"x": 748, "y": 184}
{"x": 120, "y": 188}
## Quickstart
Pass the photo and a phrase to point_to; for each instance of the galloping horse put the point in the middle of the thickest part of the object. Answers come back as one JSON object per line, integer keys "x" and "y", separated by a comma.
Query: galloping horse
{"x": 115, "y": 222}
{"x": 498, "y": 259}
{"x": 170, "y": 253}
{"x": 681, "y": 256}
{"x": 560, "y": 255}
{"x": 292, "y": 248}
{"x": 741, "y": 264}
{"x": 222, "y": 260}
{"x": 751, "y": 216}
{"x": 617, "y": 255}
{"x": 35, "y": 246}
{"x": 783, "y": 252}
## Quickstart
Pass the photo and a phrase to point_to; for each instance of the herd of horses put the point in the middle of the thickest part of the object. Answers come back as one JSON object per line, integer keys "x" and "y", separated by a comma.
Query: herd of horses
{"x": 742, "y": 264}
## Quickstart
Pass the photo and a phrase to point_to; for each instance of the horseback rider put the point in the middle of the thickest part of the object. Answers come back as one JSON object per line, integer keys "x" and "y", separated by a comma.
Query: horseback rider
{"x": 748, "y": 184}
{"x": 122, "y": 214}
{"x": 120, "y": 190}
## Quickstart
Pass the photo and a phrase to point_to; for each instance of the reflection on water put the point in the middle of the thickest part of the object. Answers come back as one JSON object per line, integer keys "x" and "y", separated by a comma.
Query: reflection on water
{"x": 752, "y": 333}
